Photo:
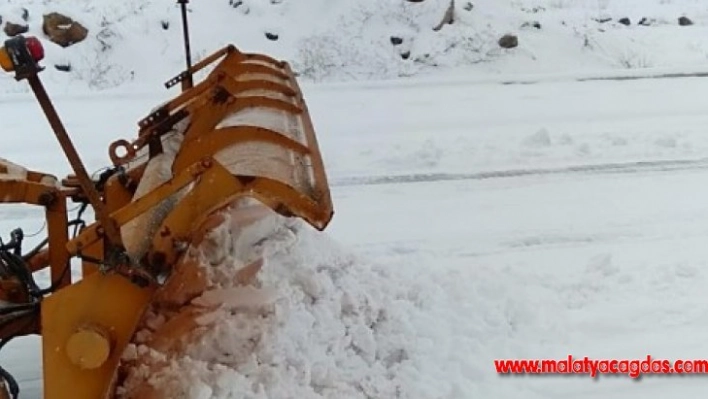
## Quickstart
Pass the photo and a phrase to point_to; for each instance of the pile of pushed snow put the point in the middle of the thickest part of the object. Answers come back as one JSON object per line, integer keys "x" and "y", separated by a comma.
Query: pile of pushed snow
{"x": 320, "y": 323}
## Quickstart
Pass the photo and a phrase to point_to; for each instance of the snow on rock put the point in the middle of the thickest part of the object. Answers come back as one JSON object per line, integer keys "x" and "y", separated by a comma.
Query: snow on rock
{"x": 322, "y": 323}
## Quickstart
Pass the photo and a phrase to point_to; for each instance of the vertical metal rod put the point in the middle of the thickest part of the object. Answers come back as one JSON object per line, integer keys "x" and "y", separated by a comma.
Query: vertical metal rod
{"x": 187, "y": 83}
{"x": 58, "y": 232}
{"x": 110, "y": 229}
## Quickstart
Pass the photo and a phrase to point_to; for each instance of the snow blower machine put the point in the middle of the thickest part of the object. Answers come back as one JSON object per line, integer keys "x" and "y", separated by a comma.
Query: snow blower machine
{"x": 239, "y": 142}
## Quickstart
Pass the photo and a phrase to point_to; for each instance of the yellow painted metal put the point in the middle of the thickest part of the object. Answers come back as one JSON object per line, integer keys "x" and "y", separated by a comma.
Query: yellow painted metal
{"x": 262, "y": 136}
{"x": 218, "y": 139}
{"x": 89, "y": 347}
{"x": 107, "y": 303}
{"x": 249, "y": 135}
{"x": 57, "y": 230}
{"x": 116, "y": 195}
{"x": 123, "y": 215}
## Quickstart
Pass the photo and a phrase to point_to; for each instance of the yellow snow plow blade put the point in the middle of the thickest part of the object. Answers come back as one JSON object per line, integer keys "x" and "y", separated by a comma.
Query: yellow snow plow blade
{"x": 242, "y": 136}
{"x": 246, "y": 132}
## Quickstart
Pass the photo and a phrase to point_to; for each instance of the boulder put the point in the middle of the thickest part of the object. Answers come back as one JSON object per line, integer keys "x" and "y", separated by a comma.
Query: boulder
{"x": 508, "y": 41}
{"x": 12, "y": 29}
{"x": 685, "y": 21}
{"x": 63, "y": 30}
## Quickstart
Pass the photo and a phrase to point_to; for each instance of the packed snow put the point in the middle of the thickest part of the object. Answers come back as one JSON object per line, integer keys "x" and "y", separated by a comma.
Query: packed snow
{"x": 519, "y": 205}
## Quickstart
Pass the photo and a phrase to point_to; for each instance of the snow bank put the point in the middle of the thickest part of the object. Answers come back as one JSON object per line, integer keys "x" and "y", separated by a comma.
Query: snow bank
{"x": 321, "y": 323}
{"x": 138, "y": 43}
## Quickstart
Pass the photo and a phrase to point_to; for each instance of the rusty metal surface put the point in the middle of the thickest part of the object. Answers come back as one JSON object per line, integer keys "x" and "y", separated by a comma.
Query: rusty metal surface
{"x": 72, "y": 155}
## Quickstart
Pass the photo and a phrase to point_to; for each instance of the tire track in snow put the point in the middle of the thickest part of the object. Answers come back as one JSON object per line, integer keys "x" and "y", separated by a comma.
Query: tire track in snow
{"x": 617, "y": 78}
{"x": 627, "y": 167}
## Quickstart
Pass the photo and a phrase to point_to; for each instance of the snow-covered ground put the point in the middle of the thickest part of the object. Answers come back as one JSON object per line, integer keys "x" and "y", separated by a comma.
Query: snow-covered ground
{"x": 474, "y": 221}
{"x": 498, "y": 204}
{"x": 136, "y": 44}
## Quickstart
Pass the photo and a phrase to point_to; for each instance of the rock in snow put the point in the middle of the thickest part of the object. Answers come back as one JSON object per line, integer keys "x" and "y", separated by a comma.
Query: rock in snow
{"x": 509, "y": 41}
{"x": 63, "y": 30}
